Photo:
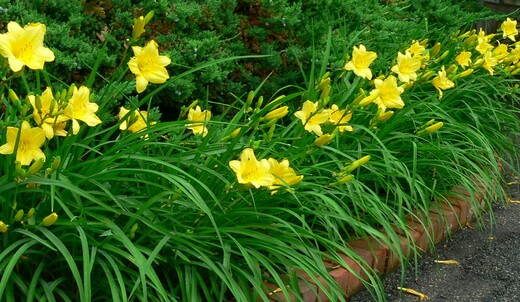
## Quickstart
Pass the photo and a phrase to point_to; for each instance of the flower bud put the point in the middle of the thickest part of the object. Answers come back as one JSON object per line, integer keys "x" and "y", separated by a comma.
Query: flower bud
{"x": 324, "y": 83}
{"x": 259, "y": 102}
{"x": 452, "y": 69}
{"x": 434, "y": 127}
{"x": 19, "y": 215}
{"x": 465, "y": 73}
{"x": 444, "y": 55}
{"x": 276, "y": 113}
{"x": 50, "y": 220}
{"x": 435, "y": 49}
{"x": 38, "y": 103}
{"x": 250, "y": 97}
{"x": 134, "y": 228}
{"x": 30, "y": 213}
{"x": 356, "y": 164}
{"x": 13, "y": 96}
{"x": 325, "y": 92}
{"x": 70, "y": 92}
{"x": 343, "y": 180}
{"x": 56, "y": 163}
{"x": 3, "y": 227}
{"x": 36, "y": 166}
{"x": 235, "y": 132}
{"x": 323, "y": 140}
{"x": 385, "y": 116}
{"x": 368, "y": 99}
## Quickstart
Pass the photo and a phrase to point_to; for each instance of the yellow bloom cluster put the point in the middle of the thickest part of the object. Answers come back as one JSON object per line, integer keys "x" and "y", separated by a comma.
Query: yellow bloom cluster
{"x": 312, "y": 118}
{"x": 51, "y": 115}
{"x": 264, "y": 173}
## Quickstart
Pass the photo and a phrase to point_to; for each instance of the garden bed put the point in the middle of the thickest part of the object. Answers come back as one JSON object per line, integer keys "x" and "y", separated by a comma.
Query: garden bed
{"x": 238, "y": 199}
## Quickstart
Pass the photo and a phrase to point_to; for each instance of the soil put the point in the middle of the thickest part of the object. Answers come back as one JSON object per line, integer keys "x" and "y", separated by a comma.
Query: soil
{"x": 489, "y": 257}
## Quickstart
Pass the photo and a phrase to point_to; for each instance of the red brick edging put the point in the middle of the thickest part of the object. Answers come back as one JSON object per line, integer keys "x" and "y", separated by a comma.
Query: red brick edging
{"x": 446, "y": 216}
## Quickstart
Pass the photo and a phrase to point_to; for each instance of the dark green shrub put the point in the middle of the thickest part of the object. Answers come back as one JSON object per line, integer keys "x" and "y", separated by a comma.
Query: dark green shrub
{"x": 195, "y": 32}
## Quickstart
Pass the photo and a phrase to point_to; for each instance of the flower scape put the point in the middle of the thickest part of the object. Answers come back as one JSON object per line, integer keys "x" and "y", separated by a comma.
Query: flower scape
{"x": 102, "y": 199}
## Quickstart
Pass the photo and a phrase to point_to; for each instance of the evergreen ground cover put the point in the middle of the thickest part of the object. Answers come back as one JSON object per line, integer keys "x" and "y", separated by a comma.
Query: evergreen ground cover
{"x": 246, "y": 188}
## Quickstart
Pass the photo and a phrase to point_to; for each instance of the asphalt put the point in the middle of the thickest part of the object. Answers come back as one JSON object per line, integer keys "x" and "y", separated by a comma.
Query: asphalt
{"x": 488, "y": 257}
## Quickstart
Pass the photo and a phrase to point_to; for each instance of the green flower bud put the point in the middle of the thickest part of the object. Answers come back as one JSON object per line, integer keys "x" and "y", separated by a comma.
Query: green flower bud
{"x": 50, "y": 220}
{"x": 3, "y": 227}
{"x": 18, "y": 216}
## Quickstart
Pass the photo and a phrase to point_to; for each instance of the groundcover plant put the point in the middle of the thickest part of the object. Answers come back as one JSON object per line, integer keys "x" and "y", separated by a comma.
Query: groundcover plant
{"x": 100, "y": 200}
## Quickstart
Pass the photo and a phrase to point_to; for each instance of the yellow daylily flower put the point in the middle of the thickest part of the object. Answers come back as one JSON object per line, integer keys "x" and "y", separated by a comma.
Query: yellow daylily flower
{"x": 464, "y": 59}
{"x": 340, "y": 117}
{"x": 500, "y": 52}
{"x": 416, "y": 49}
{"x": 148, "y": 65}
{"x": 441, "y": 82}
{"x": 483, "y": 42}
{"x": 489, "y": 61}
{"x": 31, "y": 140}
{"x": 406, "y": 67}
{"x": 198, "y": 120}
{"x": 509, "y": 29}
{"x": 251, "y": 171}
{"x": 388, "y": 93}
{"x": 47, "y": 116}
{"x": 360, "y": 62}
{"x": 24, "y": 46}
{"x": 284, "y": 175}
{"x": 138, "y": 120}
{"x": 514, "y": 54}
{"x": 80, "y": 108}
{"x": 312, "y": 119}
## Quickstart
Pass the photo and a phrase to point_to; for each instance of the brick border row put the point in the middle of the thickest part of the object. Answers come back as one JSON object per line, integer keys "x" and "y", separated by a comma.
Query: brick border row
{"x": 446, "y": 216}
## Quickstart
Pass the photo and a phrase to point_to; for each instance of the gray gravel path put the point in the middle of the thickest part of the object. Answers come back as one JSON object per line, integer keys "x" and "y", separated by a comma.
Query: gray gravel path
{"x": 489, "y": 269}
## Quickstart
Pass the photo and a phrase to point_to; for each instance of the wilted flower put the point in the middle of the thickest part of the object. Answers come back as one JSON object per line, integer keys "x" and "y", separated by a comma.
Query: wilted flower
{"x": 24, "y": 46}
{"x": 360, "y": 62}
{"x": 80, "y": 108}
{"x": 311, "y": 119}
{"x": 406, "y": 67}
{"x": 198, "y": 119}
{"x": 283, "y": 174}
{"x": 249, "y": 170}
{"x": 148, "y": 65}
{"x": 31, "y": 140}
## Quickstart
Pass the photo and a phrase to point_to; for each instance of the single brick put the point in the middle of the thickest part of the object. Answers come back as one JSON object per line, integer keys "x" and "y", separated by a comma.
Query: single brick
{"x": 379, "y": 252}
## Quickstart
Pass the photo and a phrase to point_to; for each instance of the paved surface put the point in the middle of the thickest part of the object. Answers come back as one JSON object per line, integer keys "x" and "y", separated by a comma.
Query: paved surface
{"x": 489, "y": 269}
